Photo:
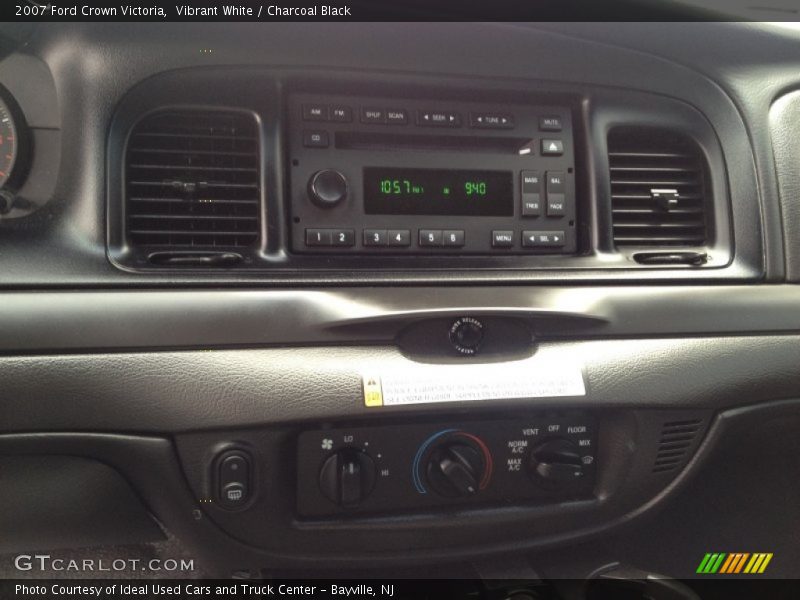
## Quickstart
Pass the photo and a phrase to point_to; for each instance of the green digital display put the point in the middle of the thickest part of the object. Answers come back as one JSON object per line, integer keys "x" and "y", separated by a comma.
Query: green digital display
{"x": 393, "y": 191}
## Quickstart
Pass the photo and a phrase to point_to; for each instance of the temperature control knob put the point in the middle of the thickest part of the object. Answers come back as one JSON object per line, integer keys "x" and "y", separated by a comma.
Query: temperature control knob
{"x": 455, "y": 469}
{"x": 327, "y": 188}
{"x": 347, "y": 477}
{"x": 557, "y": 462}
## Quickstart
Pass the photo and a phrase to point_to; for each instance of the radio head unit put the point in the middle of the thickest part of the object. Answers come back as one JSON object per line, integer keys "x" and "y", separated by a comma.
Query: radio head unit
{"x": 378, "y": 175}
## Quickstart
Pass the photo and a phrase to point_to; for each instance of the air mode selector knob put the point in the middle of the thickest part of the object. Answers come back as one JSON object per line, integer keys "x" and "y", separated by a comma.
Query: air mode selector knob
{"x": 327, "y": 188}
{"x": 347, "y": 477}
{"x": 556, "y": 463}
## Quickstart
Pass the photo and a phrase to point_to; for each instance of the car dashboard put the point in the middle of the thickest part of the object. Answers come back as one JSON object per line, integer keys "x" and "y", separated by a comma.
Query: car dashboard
{"x": 400, "y": 297}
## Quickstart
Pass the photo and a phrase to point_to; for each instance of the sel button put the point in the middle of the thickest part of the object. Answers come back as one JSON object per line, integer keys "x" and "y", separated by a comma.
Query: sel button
{"x": 546, "y": 239}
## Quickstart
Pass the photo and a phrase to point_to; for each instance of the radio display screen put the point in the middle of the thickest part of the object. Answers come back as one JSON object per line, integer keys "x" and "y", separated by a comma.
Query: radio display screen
{"x": 395, "y": 191}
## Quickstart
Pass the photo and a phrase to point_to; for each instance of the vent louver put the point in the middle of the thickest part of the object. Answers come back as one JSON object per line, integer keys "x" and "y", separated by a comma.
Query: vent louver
{"x": 193, "y": 182}
{"x": 659, "y": 195}
{"x": 677, "y": 437}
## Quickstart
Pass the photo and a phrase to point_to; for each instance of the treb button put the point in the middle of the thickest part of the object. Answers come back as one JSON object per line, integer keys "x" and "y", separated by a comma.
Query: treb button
{"x": 531, "y": 186}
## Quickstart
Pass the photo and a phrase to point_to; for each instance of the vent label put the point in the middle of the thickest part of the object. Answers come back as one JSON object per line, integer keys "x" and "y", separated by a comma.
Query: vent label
{"x": 426, "y": 384}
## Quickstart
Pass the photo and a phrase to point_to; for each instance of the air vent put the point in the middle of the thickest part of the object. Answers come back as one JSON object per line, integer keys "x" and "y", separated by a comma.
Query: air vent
{"x": 659, "y": 195}
{"x": 193, "y": 182}
{"x": 677, "y": 437}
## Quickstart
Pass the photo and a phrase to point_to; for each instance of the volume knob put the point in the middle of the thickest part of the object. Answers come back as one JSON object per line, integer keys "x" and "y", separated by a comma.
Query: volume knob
{"x": 327, "y": 188}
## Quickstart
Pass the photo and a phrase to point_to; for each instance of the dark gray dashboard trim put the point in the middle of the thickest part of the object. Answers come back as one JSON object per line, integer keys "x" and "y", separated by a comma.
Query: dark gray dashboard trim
{"x": 56, "y": 321}
{"x": 150, "y": 465}
{"x": 93, "y": 67}
{"x": 206, "y": 389}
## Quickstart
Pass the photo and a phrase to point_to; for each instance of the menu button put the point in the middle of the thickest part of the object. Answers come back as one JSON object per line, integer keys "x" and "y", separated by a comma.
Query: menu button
{"x": 502, "y": 239}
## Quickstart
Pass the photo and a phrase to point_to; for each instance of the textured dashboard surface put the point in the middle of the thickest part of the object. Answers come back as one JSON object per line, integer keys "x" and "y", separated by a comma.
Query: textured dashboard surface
{"x": 185, "y": 391}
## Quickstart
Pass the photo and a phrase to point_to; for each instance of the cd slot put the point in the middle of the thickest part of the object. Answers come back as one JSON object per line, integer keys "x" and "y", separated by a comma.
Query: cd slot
{"x": 391, "y": 142}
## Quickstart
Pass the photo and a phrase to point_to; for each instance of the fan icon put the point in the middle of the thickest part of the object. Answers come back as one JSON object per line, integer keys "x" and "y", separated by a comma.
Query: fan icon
{"x": 327, "y": 444}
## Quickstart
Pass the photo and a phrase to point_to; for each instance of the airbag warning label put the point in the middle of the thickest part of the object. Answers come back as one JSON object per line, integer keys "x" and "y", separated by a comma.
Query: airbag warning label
{"x": 425, "y": 384}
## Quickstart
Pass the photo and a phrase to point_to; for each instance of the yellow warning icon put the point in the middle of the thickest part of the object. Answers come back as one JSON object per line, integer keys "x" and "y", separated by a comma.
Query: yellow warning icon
{"x": 373, "y": 393}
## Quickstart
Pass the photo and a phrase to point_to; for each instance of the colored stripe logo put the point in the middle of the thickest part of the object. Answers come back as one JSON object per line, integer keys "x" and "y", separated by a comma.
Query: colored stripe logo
{"x": 734, "y": 563}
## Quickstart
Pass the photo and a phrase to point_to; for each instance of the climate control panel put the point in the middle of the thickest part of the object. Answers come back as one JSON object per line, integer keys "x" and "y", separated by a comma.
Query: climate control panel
{"x": 538, "y": 459}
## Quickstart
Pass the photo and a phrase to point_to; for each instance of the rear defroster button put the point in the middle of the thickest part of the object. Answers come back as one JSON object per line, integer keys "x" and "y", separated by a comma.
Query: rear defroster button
{"x": 466, "y": 335}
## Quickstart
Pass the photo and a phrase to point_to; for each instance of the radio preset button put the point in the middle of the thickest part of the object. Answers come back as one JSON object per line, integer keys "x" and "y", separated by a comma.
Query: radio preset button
{"x": 371, "y": 115}
{"x": 396, "y": 116}
{"x": 315, "y": 139}
{"x": 436, "y": 118}
{"x": 550, "y": 123}
{"x": 375, "y": 237}
{"x": 341, "y": 114}
{"x": 502, "y": 238}
{"x": 315, "y": 112}
{"x": 531, "y": 185}
{"x": 484, "y": 120}
{"x": 318, "y": 237}
{"x": 399, "y": 237}
{"x": 453, "y": 238}
{"x": 430, "y": 237}
{"x": 542, "y": 239}
{"x": 552, "y": 147}
{"x": 343, "y": 237}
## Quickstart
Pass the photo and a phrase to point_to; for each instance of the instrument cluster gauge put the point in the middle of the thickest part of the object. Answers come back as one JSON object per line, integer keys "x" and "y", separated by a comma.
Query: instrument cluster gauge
{"x": 13, "y": 152}
{"x": 9, "y": 143}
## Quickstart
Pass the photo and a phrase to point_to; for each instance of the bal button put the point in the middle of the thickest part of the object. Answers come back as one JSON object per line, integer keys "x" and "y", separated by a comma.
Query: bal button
{"x": 466, "y": 335}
